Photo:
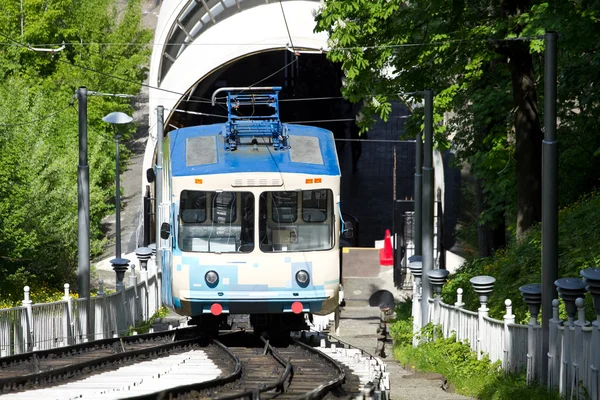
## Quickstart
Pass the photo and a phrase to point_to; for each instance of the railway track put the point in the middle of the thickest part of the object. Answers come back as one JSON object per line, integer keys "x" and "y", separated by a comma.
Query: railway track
{"x": 180, "y": 364}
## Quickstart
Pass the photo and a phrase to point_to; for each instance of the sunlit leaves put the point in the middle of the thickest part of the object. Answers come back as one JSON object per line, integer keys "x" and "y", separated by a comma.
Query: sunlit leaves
{"x": 39, "y": 160}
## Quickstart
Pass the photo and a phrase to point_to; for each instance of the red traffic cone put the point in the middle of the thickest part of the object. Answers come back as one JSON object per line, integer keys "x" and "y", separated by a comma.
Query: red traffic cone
{"x": 386, "y": 255}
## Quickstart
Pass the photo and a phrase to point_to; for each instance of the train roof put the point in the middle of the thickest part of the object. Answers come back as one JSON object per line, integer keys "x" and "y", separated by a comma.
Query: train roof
{"x": 200, "y": 150}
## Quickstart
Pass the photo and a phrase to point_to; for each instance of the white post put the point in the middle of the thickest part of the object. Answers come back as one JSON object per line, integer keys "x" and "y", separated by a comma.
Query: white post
{"x": 577, "y": 353}
{"x": 595, "y": 389}
{"x": 122, "y": 317}
{"x": 509, "y": 318}
{"x": 482, "y": 285}
{"x": 459, "y": 324}
{"x": 99, "y": 310}
{"x": 28, "y": 328}
{"x": 416, "y": 310}
{"x": 482, "y": 311}
{"x": 532, "y": 361}
{"x": 566, "y": 356}
{"x": 68, "y": 317}
{"x": 145, "y": 296}
{"x": 553, "y": 367}
{"x": 133, "y": 282}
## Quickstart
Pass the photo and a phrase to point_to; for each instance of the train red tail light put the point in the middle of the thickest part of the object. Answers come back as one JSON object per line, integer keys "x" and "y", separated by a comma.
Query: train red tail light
{"x": 216, "y": 309}
{"x": 297, "y": 307}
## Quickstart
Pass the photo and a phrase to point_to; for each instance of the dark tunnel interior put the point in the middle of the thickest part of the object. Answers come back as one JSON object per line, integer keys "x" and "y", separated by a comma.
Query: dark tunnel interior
{"x": 310, "y": 91}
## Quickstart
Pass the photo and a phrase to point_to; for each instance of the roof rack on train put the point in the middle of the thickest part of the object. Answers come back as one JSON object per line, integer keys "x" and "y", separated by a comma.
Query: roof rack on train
{"x": 253, "y": 100}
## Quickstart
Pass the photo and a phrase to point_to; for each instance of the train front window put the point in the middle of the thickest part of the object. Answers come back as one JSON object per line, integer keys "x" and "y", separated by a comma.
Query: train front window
{"x": 216, "y": 222}
{"x": 296, "y": 220}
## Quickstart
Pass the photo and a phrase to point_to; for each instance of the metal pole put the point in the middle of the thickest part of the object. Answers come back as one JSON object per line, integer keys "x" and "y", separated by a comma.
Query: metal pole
{"x": 427, "y": 222}
{"x": 549, "y": 196}
{"x": 159, "y": 182}
{"x": 418, "y": 221}
{"x": 83, "y": 207}
{"x": 117, "y": 200}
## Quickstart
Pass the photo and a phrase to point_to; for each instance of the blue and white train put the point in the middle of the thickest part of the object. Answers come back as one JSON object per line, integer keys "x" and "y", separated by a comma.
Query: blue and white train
{"x": 251, "y": 218}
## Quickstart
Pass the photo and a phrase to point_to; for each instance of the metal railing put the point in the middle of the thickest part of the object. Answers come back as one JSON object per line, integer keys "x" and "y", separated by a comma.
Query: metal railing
{"x": 573, "y": 357}
{"x": 49, "y": 325}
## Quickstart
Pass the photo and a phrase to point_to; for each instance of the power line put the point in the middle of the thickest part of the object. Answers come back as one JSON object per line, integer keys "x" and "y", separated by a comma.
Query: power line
{"x": 382, "y": 46}
{"x": 276, "y": 72}
{"x": 374, "y": 140}
{"x": 39, "y": 119}
{"x": 200, "y": 99}
{"x": 286, "y": 26}
{"x": 334, "y": 120}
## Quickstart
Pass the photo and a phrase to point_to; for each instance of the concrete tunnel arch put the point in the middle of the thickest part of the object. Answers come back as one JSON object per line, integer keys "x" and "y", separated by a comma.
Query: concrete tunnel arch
{"x": 240, "y": 29}
{"x": 258, "y": 29}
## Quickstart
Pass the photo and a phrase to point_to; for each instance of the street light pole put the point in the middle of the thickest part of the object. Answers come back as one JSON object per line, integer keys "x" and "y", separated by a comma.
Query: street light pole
{"x": 549, "y": 196}
{"x": 119, "y": 264}
{"x": 417, "y": 223}
{"x": 83, "y": 208}
{"x": 427, "y": 199}
{"x": 117, "y": 199}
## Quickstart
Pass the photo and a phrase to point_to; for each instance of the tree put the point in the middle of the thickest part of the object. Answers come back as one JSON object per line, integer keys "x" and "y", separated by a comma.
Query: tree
{"x": 106, "y": 51}
{"x": 483, "y": 58}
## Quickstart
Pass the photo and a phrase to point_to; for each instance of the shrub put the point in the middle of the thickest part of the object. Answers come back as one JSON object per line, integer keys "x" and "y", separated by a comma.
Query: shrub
{"x": 520, "y": 263}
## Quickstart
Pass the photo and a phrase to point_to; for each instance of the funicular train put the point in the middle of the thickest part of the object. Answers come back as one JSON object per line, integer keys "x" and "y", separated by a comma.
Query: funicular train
{"x": 252, "y": 220}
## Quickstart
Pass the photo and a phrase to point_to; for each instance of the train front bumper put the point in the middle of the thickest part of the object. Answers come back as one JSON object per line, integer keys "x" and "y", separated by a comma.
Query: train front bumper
{"x": 251, "y": 302}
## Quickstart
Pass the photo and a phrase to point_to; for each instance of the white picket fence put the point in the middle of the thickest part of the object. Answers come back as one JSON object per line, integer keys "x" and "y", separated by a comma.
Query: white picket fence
{"x": 61, "y": 323}
{"x": 574, "y": 345}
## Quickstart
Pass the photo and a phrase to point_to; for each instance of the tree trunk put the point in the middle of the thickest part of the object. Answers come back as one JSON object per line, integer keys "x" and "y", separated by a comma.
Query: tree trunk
{"x": 528, "y": 147}
{"x": 490, "y": 237}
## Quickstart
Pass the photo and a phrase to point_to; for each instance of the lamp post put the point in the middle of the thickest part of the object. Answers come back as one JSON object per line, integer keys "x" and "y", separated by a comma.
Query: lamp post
{"x": 119, "y": 264}
{"x": 117, "y": 118}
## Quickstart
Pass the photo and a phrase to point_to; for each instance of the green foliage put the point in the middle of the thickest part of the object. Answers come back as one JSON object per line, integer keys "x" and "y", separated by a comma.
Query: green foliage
{"x": 39, "y": 130}
{"x": 401, "y": 328}
{"x": 145, "y": 326}
{"x": 481, "y": 379}
{"x": 520, "y": 262}
{"x": 466, "y": 52}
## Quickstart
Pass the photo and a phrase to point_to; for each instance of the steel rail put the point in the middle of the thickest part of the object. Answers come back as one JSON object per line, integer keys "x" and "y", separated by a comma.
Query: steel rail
{"x": 169, "y": 393}
{"x": 287, "y": 374}
{"x": 322, "y": 390}
{"x": 71, "y": 370}
{"x": 90, "y": 346}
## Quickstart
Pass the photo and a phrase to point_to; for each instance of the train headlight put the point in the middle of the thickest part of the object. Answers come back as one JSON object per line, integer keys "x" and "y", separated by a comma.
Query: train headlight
{"x": 211, "y": 278}
{"x": 302, "y": 278}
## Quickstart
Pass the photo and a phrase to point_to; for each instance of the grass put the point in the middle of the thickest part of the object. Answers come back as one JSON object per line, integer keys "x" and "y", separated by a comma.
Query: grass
{"x": 468, "y": 376}
{"x": 518, "y": 264}
{"x": 144, "y": 327}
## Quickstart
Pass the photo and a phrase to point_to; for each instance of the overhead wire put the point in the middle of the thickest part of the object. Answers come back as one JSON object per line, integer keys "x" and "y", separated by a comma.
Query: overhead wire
{"x": 198, "y": 99}
{"x": 287, "y": 64}
{"x": 39, "y": 119}
{"x": 382, "y": 46}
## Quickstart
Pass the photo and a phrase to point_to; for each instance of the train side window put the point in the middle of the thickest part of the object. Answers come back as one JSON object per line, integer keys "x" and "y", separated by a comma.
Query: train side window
{"x": 314, "y": 205}
{"x": 193, "y": 206}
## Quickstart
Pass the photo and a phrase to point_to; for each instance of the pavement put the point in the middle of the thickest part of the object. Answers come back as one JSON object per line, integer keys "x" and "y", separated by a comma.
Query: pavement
{"x": 362, "y": 276}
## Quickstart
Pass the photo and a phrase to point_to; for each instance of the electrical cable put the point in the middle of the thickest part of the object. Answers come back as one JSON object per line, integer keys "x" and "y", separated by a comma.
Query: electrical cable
{"x": 287, "y": 27}
{"x": 199, "y": 99}
{"x": 382, "y": 46}
{"x": 39, "y": 119}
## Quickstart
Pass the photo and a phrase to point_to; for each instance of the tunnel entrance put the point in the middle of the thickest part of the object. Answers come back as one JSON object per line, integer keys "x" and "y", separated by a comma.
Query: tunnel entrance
{"x": 310, "y": 91}
{"x": 311, "y": 95}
